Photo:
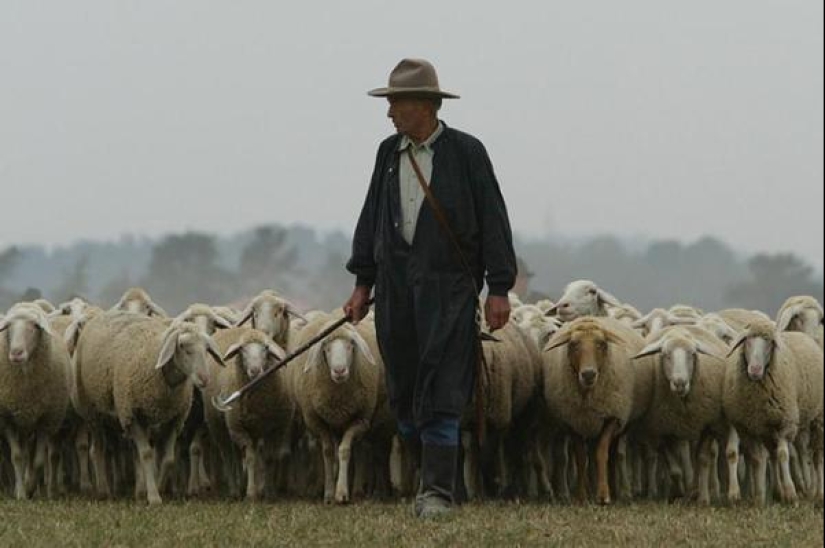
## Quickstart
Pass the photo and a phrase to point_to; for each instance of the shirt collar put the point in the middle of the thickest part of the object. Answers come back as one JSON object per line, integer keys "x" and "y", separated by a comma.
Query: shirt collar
{"x": 426, "y": 145}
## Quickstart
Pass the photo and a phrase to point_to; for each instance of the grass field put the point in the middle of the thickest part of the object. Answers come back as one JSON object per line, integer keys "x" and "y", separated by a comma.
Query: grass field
{"x": 80, "y": 523}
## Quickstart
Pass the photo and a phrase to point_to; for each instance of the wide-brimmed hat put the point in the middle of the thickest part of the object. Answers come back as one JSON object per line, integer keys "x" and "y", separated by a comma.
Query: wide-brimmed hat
{"x": 413, "y": 77}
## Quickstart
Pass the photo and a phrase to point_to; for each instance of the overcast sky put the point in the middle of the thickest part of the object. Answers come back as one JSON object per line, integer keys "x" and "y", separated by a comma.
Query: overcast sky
{"x": 656, "y": 118}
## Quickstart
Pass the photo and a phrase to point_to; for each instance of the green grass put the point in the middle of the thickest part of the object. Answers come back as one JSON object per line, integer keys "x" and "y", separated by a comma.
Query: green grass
{"x": 298, "y": 524}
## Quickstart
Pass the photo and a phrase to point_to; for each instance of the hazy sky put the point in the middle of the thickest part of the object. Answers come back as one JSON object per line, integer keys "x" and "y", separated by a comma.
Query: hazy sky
{"x": 656, "y": 118}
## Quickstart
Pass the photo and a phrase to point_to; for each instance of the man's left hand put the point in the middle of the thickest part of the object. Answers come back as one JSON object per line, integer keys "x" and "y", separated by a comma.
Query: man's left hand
{"x": 497, "y": 311}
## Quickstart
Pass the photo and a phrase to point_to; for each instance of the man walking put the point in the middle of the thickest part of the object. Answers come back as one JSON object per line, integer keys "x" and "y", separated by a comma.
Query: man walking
{"x": 426, "y": 291}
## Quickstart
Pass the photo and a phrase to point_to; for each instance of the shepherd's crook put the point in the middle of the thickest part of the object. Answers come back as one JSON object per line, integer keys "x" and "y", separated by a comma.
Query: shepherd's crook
{"x": 224, "y": 404}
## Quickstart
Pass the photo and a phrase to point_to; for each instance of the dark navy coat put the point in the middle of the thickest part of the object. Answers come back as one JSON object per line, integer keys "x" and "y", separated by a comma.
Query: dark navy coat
{"x": 424, "y": 301}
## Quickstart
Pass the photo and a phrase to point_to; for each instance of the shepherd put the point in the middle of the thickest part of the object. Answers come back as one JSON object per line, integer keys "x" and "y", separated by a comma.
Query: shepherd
{"x": 427, "y": 264}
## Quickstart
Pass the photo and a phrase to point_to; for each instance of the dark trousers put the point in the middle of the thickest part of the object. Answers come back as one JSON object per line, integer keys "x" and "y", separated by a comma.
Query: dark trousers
{"x": 426, "y": 333}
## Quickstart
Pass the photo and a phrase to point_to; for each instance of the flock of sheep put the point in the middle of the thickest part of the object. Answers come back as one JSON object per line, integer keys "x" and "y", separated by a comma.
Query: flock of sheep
{"x": 583, "y": 392}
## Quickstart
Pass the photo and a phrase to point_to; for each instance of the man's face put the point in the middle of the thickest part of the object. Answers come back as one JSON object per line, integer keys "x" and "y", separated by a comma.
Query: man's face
{"x": 409, "y": 114}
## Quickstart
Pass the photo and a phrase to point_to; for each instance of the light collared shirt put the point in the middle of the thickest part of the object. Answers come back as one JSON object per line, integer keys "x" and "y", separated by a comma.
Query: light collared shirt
{"x": 412, "y": 196}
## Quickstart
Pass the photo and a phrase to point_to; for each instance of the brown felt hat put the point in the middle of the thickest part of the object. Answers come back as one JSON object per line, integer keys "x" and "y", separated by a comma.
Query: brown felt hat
{"x": 413, "y": 77}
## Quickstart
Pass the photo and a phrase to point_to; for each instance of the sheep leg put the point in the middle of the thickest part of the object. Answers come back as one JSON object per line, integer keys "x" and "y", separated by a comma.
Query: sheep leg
{"x": 328, "y": 452}
{"x": 193, "y": 487}
{"x": 609, "y": 432}
{"x": 146, "y": 454}
{"x": 715, "y": 485}
{"x": 98, "y": 454}
{"x": 354, "y": 433}
{"x": 652, "y": 458}
{"x": 580, "y": 448}
{"x": 561, "y": 461}
{"x": 685, "y": 453}
{"x": 19, "y": 456}
{"x": 53, "y": 467}
{"x": 676, "y": 473}
{"x": 397, "y": 466}
{"x": 36, "y": 466}
{"x": 167, "y": 463}
{"x": 705, "y": 462}
{"x": 732, "y": 457}
{"x": 540, "y": 468}
{"x": 820, "y": 474}
{"x": 81, "y": 447}
{"x": 623, "y": 469}
{"x": 758, "y": 466}
{"x": 638, "y": 472}
{"x": 802, "y": 446}
{"x": 786, "y": 484}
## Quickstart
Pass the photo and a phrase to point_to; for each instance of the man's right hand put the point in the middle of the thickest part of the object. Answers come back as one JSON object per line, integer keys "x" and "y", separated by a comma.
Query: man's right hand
{"x": 356, "y": 307}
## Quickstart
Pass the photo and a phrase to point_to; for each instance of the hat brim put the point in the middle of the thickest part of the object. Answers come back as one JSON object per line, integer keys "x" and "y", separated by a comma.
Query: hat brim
{"x": 420, "y": 92}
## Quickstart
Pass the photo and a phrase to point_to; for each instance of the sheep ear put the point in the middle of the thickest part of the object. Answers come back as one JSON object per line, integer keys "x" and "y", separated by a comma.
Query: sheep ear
{"x": 737, "y": 343}
{"x": 4, "y": 324}
{"x": 119, "y": 304}
{"x": 676, "y": 320}
{"x": 651, "y": 349}
{"x": 72, "y": 334}
{"x": 607, "y": 298}
{"x": 232, "y": 352}
{"x": 213, "y": 349}
{"x": 786, "y": 318}
{"x": 220, "y": 323}
{"x": 313, "y": 357}
{"x": 557, "y": 341}
{"x": 362, "y": 346}
{"x": 246, "y": 315}
{"x": 275, "y": 351}
{"x": 292, "y": 311}
{"x": 552, "y": 311}
{"x": 702, "y": 349}
{"x": 170, "y": 344}
{"x": 156, "y": 310}
{"x": 613, "y": 338}
{"x": 43, "y": 323}
{"x": 640, "y": 323}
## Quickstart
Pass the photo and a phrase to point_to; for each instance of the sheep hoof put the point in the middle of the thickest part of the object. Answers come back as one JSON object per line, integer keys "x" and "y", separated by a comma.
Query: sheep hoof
{"x": 603, "y": 500}
{"x": 342, "y": 498}
{"x": 155, "y": 499}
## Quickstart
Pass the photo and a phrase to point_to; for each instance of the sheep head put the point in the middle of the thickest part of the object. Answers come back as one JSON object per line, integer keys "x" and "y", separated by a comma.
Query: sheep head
{"x": 587, "y": 343}
{"x": 759, "y": 342}
{"x": 582, "y": 298}
{"x": 678, "y": 358}
{"x": 657, "y": 319}
{"x": 184, "y": 347}
{"x": 269, "y": 312}
{"x": 802, "y": 313}
{"x": 138, "y": 301}
{"x": 204, "y": 317}
{"x": 254, "y": 353}
{"x": 338, "y": 352}
{"x": 24, "y": 326}
{"x": 719, "y": 327}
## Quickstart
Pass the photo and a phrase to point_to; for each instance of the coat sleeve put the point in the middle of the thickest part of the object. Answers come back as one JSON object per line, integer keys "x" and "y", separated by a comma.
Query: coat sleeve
{"x": 496, "y": 236}
{"x": 362, "y": 260}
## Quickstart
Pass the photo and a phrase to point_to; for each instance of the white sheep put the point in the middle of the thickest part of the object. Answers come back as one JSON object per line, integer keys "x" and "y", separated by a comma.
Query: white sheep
{"x": 583, "y": 298}
{"x": 264, "y": 416}
{"x": 774, "y": 391}
{"x": 802, "y": 313}
{"x": 336, "y": 387}
{"x": 148, "y": 392}
{"x": 137, "y": 300}
{"x": 625, "y": 313}
{"x": 715, "y": 324}
{"x": 657, "y": 319}
{"x": 33, "y": 394}
{"x": 686, "y": 311}
{"x": 510, "y": 384}
{"x": 687, "y": 396}
{"x": 591, "y": 385}
{"x": 270, "y": 313}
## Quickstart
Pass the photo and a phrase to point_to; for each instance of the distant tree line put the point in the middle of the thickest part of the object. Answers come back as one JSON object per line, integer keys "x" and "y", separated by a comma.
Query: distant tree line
{"x": 308, "y": 267}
